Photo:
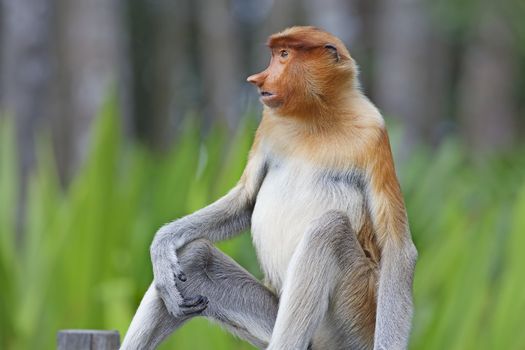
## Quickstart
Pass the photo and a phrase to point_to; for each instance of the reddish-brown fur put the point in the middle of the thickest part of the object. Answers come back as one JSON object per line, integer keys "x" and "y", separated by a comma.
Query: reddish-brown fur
{"x": 323, "y": 117}
{"x": 308, "y": 84}
{"x": 318, "y": 113}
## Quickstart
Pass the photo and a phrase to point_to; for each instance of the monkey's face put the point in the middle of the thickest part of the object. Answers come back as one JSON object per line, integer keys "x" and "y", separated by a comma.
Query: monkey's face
{"x": 272, "y": 83}
{"x": 309, "y": 72}
{"x": 293, "y": 79}
{"x": 302, "y": 82}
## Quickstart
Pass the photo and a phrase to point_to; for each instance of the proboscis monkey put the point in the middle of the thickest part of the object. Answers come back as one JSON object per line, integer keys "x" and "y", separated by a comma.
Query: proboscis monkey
{"x": 329, "y": 225}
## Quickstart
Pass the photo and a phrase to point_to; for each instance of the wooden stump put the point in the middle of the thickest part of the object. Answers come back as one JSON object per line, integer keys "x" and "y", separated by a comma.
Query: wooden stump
{"x": 84, "y": 339}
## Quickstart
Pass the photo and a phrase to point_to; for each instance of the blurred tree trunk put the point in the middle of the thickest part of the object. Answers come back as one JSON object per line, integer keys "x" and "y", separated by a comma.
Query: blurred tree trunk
{"x": 173, "y": 89}
{"x": 27, "y": 77}
{"x": 161, "y": 56}
{"x": 219, "y": 59}
{"x": 93, "y": 54}
{"x": 362, "y": 41}
{"x": 411, "y": 65}
{"x": 487, "y": 107}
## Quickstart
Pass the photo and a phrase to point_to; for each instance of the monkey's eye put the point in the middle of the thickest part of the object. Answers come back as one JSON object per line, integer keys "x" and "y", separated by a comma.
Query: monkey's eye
{"x": 283, "y": 53}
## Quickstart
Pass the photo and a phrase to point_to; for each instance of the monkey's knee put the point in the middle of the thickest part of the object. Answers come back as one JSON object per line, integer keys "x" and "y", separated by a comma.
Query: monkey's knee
{"x": 195, "y": 255}
{"x": 329, "y": 228}
{"x": 335, "y": 220}
{"x": 332, "y": 233}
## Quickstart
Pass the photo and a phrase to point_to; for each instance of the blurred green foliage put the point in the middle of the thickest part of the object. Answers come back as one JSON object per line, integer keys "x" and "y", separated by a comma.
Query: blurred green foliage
{"x": 84, "y": 262}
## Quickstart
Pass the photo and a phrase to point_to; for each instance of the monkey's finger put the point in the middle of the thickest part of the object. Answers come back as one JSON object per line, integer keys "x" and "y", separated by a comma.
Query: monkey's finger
{"x": 181, "y": 276}
{"x": 194, "y": 305}
{"x": 175, "y": 266}
{"x": 189, "y": 302}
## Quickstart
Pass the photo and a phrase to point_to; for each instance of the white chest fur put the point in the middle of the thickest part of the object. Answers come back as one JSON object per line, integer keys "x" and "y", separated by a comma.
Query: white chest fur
{"x": 292, "y": 195}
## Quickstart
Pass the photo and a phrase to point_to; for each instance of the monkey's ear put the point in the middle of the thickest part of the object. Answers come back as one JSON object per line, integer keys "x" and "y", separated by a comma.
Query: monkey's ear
{"x": 333, "y": 51}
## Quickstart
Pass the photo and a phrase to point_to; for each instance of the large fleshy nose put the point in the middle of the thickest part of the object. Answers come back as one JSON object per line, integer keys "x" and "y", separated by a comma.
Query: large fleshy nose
{"x": 257, "y": 79}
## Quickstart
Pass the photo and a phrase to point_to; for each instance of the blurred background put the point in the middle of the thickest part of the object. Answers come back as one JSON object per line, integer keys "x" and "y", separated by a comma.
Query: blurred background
{"x": 116, "y": 117}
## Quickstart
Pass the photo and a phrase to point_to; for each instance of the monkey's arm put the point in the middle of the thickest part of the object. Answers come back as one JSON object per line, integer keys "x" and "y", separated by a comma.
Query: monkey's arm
{"x": 398, "y": 253}
{"x": 223, "y": 219}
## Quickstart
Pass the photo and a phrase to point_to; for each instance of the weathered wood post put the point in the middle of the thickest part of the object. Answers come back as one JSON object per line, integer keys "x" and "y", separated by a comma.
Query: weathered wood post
{"x": 85, "y": 339}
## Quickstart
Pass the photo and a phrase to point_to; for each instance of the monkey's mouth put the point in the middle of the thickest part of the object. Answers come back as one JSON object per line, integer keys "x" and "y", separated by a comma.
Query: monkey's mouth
{"x": 269, "y": 99}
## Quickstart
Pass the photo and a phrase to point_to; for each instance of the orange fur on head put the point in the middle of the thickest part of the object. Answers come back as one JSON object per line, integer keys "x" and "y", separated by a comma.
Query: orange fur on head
{"x": 306, "y": 38}
{"x": 314, "y": 77}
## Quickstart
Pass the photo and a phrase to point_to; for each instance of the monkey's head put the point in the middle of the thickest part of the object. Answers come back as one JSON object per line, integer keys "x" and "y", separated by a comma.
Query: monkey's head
{"x": 310, "y": 71}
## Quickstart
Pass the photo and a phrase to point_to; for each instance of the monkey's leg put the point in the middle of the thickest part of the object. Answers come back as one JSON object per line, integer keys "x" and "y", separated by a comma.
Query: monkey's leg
{"x": 236, "y": 299}
{"x": 151, "y": 324}
{"x": 328, "y": 254}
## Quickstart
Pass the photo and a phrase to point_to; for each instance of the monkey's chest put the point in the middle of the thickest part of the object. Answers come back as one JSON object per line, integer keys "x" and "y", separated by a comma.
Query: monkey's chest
{"x": 291, "y": 197}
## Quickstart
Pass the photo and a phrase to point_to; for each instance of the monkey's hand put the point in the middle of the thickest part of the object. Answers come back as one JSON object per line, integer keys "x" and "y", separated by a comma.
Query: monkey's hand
{"x": 167, "y": 273}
